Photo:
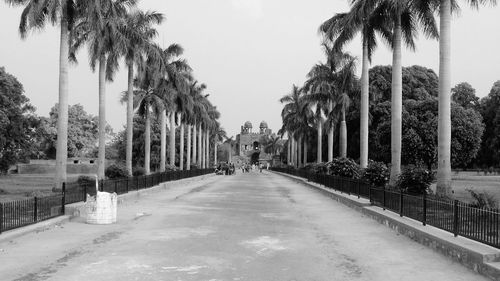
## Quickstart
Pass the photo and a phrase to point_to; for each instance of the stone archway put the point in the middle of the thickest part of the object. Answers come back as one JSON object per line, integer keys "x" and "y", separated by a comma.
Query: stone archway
{"x": 254, "y": 158}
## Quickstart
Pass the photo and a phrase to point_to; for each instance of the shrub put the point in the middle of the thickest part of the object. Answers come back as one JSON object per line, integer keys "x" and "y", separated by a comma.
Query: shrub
{"x": 318, "y": 168}
{"x": 138, "y": 171}
{"x": 86, "y": 180}
{"x": 344, "y": 167}
{"x": 116, "y": 171}
{"x": 482, "y": 199}
{"x": 377, "y": 174}
{"x": 415, "y": 180}
{"x": 170, "y": 168}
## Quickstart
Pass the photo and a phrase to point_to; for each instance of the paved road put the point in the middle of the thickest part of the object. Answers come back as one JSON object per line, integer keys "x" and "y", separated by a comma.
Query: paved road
{"x": 244, "y": 227}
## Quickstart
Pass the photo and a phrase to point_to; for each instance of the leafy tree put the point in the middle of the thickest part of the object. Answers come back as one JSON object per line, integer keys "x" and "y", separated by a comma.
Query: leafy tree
{"x": 17, "y": 123}
{"x": 489, "y": 154}
{"x": 419, "y": 140}
{"x": 465, "y": 95}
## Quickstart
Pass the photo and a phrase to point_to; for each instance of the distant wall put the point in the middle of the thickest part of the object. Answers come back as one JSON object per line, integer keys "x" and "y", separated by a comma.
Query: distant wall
{"x": 51, "y": 168}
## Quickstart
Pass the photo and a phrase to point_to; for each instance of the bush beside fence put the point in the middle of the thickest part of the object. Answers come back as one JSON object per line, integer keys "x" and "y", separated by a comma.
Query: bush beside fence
{"x": 24, "y": 212}
{"x": 458, "y": 218}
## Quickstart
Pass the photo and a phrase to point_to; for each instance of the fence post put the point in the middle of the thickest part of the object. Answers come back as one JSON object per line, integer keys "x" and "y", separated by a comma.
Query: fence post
{"x": 85, "y": 193}
{"x": 370, "y": 195}
{"x": 128, "y": 180}
{"x": 424, "y": 208}
{"x": 102, "y": 185}
{"x": 358, "y": 186}
{"x": 400, "y": 203}
{"x": 35, "y": 210}
{"x": 1, "y": 217}
{"x": 116, "y": 187}
{"x": 383, "y": 198}
{"x": 63, "y": 203}
{"x": 455, "y": 218}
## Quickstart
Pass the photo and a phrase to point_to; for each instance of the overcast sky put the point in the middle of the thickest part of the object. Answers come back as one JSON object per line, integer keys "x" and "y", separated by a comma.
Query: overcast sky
{"x": 248, "y": 52}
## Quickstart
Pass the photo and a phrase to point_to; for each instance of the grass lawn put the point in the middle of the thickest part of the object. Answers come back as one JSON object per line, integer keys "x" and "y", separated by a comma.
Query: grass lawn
{"x": 14, "y": 187}
{"x": 476, "y": 181}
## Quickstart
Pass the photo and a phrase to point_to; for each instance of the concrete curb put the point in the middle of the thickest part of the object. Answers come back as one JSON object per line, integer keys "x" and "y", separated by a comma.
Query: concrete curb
{"x": 476, "y": 256}
{"x": 40, "y": 226}
{"x": 78, "y": 209}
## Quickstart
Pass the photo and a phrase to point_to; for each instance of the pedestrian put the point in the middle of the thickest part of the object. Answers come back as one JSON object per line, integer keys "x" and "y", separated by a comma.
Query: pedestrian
{"x": 260, "y": 167}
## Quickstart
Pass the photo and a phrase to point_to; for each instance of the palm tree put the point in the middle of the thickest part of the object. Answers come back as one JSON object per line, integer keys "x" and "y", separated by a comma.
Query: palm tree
{"x": 405, "y": 17}
{"x": 172, "y": 71}
{"x": 324, "y": 84}
{"x": 100, "y": 26}
{"x": 34, "y": 16}
{"x": 443, "y": 186}
{"x": 184, "y": 106}
{"x": 194, "y": 91}
{"x": 139, "y": 34}
{"x": 295, "y": 119}
{"x": 148, "y": 100}
{"x": 363, "y": 18}
{"x": 219, "y": 136}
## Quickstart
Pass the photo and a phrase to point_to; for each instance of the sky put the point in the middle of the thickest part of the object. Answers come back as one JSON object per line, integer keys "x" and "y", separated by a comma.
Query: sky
{"x": 248, "y": 52}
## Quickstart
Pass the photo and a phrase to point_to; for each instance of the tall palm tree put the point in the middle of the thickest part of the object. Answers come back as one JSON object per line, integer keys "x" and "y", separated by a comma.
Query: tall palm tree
{"x": 172, "y": 70}
{"x": 148, "y": 100}
{"x": 443, "y": 186}
{"x": 325, "y": 82}
{"x": 184, "y": 107}
{"x": 405, "y": 17}
{"x": 139, "y": 34}
{"x": 195, "y": 91}
{"x": 366, "y": 19}
{"x": 34, "y": 16}
{"x": 100, "y": 27}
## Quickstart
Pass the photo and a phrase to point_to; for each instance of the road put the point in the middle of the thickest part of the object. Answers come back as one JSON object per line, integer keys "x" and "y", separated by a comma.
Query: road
{"x": 245, "y": 227}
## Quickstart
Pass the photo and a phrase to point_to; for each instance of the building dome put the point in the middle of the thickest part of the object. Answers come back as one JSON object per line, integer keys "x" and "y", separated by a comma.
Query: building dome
{"x": 248, "y": 124}
{"x": 263, "y": 124}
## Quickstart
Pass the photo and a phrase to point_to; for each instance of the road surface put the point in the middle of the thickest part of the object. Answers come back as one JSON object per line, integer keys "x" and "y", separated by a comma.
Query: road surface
{"x": 245, "y": 227}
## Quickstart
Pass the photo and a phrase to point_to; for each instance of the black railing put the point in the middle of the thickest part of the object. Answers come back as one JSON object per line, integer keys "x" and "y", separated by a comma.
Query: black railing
{"x": 24, "y": 212}
{"x": 458, "y": 218}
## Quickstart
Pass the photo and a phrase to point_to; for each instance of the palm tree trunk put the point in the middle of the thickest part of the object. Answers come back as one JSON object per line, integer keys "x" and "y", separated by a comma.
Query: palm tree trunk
{"x": 215, "y": 153}
{"x": 363, "y": 142}
{"x": 193, "y": 156}
{"x": 299, "y": 152}
{"x": 200, "y": 152}
{"x": 292, "y": 154}
{"x": 330, "y": 137}
{"x": 443, "y": 186}
{"x": 102, "y": 118}
{"x": 289, "y": 150}
{"x": 188, "y": 148}
{"x": 207, "y": 146}
{"x": 203, "y": 149}
{"x": 396, "y": 106}
{"x": 62, "y": 119}
{"x": 172, "y": 139}
{"x": 147, "y": 143}
{"x": 163, "y": 140}
{"x": 305, "y": 152}
{"x": 230, "y": 152}
{"x": 320, "y": 141}
{"x": 343, "y": 136}
{"x": 181, "y": 144}
{"x": 130, "y": 118}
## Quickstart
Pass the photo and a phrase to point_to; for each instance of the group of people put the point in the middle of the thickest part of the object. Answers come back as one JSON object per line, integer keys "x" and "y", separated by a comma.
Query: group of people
{"x": 225, "y": 168}
{"x": 246, "y": 168}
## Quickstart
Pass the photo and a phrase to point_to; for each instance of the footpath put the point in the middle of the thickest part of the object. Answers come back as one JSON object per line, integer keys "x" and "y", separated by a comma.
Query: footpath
{"x": 31, "y": 246}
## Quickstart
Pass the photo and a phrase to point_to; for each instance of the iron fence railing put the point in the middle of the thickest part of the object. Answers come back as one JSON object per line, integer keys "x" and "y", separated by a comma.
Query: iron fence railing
{"x": 19, "y": 213}
{"x": 458, "y": 218}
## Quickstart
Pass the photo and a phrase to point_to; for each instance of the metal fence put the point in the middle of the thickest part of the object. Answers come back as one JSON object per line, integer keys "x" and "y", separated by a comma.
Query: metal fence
{"x": 458, "y": 218}
{"x": 24, "y": 212}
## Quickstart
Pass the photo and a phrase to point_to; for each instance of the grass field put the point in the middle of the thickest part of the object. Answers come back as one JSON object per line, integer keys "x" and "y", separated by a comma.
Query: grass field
{"x": 476, "y": 181}
{"x": 14, "y": 187}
